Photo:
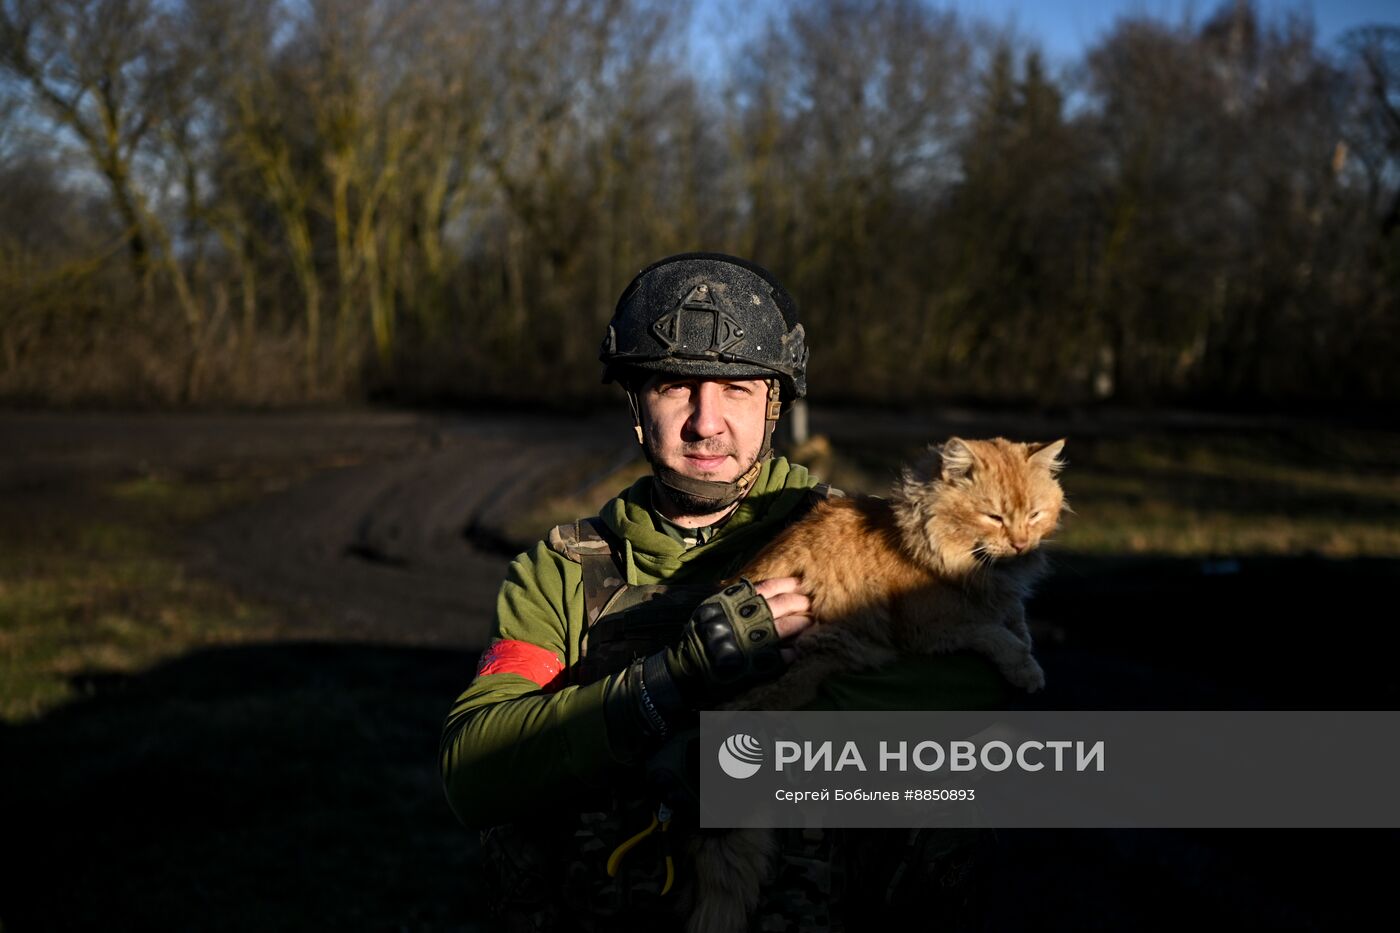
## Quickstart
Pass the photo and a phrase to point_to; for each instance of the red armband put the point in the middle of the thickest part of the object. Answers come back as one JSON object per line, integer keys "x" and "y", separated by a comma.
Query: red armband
{"x": 510, "y": 656}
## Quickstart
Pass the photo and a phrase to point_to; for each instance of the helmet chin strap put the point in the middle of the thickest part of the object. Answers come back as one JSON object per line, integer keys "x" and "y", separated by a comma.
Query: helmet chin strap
{"x": 711, "y": 495}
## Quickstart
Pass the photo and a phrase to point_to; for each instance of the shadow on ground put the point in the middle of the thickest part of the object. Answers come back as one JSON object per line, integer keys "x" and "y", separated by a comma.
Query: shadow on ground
{"x": 267, "y": 787}
{"x": 1166, "y": 633}
{"x": 294, "y": 786}
{"x": 1238, "y": 633}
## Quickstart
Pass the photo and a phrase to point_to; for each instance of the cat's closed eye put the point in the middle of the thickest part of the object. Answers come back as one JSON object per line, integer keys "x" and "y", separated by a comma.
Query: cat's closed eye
{"x": 994, "y": 517}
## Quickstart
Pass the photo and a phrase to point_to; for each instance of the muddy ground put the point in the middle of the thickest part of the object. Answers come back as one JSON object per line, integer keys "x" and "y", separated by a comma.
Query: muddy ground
{"x": 291, "y": 784}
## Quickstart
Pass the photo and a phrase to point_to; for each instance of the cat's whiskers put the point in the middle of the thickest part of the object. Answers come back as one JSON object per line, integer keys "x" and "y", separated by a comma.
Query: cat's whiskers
{"x": 982, "y": 558}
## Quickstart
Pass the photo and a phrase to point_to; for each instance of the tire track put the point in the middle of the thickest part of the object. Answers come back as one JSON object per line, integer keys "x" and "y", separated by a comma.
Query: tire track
{"x": 388, "y": 551}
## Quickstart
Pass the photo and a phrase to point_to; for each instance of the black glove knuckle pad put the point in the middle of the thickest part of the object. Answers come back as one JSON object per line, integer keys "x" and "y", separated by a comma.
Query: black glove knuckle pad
{"x": 717, "y": 631}
{"x": 710, "y": 612}
{"x": 736, "y": 633}
{"x": 728, "y": 660}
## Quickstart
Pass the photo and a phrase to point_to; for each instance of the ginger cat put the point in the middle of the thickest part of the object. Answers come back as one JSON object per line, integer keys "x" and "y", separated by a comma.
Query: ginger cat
{"x": 944, "y": 565}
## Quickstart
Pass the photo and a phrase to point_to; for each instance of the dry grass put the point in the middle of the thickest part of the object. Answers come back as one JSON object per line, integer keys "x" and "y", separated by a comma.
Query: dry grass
{"x": 1333, "y": 493}
{"x": 1304, "y": 491}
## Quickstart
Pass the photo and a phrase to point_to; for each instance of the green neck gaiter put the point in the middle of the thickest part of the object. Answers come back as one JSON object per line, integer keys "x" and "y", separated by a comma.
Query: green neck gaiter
{"x": 653, "y": 556}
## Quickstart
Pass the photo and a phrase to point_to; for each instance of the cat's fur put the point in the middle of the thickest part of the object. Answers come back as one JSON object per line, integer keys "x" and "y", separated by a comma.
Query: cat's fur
{"x": 944, "y": 565}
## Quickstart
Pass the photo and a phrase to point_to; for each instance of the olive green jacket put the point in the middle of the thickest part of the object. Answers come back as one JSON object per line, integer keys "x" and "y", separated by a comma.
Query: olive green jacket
{"x": 512, "y": 740}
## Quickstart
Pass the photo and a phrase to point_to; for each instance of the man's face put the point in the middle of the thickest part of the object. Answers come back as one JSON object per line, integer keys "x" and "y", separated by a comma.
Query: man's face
{"x": 710, "y": 429}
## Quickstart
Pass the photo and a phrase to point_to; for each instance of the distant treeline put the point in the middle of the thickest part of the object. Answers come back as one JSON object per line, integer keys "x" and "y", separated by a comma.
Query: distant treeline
{"x": 259, "y": 201}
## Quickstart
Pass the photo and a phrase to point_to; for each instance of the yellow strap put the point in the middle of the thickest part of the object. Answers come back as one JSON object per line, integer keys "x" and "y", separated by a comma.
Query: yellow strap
{"x": 615, "y": 860}
{"x": 670, "y": 863}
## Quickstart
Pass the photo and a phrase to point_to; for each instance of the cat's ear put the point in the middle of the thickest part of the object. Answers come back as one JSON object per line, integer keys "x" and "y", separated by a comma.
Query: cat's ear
{"x": 955, "y": 459}
{"x": 1047, "y": 455}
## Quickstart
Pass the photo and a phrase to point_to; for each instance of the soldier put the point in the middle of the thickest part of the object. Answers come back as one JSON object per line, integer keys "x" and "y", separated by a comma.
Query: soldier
{"x": 572, "y": 748}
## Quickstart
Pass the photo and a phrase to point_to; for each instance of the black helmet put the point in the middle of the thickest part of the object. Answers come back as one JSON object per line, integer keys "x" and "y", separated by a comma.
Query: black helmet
{"x": 708, "y": 314}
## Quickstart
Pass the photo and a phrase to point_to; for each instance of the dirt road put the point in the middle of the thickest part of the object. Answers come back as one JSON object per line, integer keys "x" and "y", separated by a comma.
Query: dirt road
{"x": 385, "y": 526}
{"x": 384, "y": 530}
{"x": 392, "y": 550}
{"x": 380, "y": 526}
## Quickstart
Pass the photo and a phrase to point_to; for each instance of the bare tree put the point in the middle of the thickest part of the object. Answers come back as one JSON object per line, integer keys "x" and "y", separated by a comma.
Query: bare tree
{"x": 101, "y": 69}
{"x": 850, "y": 117}
{"x": 444, "y": 197}
{"x": 1374, "y": 126}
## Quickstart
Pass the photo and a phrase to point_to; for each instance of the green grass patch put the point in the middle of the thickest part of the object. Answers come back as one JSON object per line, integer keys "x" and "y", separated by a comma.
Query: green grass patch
{"x": 197, "y": 763}
{"x": 92, "y": 581}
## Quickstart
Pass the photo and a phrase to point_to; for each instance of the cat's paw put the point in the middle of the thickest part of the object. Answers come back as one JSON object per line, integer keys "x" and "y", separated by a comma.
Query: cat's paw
{"x": 1028, "y": 675}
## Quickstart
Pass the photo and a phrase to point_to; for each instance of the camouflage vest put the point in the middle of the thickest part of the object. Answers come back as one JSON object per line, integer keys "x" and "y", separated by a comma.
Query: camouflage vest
{"x": 624, "y": 622}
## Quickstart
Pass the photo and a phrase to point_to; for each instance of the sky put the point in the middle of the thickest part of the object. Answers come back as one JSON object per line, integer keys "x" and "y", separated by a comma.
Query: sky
{"x": 1064, "y": 28}
{"x": 1067, "y": 27}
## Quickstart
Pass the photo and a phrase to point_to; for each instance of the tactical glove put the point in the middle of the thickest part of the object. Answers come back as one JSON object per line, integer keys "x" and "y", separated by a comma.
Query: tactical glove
{"x": 728, "y": 645}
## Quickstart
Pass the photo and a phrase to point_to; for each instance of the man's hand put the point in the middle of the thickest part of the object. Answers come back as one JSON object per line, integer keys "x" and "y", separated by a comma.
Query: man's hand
{"x": 791, "y": 609}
